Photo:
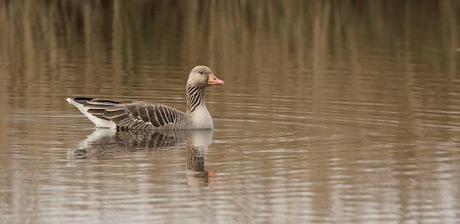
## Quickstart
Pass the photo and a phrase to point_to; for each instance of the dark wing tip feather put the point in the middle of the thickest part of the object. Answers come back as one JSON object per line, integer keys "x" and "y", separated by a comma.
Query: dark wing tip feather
{"x": 91, "y": 100}
{"x": 82, "y": 100}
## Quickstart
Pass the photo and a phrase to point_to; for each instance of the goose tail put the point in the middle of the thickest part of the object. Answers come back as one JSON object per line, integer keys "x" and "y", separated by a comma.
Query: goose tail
{"x": 82, "y": 104}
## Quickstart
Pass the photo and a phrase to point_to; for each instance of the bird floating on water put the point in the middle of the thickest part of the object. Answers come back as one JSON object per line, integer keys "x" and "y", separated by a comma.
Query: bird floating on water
{"x": 129, "y": 115}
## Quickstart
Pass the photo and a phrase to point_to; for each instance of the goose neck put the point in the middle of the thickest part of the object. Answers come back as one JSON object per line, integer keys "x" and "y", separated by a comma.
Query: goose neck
{"x": 195, "y": 98}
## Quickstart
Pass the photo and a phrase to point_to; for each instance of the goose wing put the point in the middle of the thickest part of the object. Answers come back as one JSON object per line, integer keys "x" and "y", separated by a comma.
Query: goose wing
{"x": 136, "y": 114}
{"x": 140, "y": 115}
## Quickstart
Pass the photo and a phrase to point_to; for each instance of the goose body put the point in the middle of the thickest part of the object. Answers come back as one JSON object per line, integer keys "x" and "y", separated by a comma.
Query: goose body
{"x": 127, "y": 115}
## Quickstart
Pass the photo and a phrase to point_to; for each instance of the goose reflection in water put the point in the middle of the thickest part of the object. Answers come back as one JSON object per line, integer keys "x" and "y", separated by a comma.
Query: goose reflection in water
{"x": 104, "y": 143}
{"x": 197, "y": 148}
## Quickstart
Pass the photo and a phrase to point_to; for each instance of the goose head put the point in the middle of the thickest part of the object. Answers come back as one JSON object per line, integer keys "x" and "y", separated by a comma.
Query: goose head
{"x": 202, "y": 77}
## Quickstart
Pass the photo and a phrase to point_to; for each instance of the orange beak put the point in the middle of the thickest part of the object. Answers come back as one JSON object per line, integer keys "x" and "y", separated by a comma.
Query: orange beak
{"x": 213, "y": 80}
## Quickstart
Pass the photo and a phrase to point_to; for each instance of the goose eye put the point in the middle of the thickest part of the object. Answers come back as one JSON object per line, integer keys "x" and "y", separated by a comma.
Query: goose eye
{"x": 201, "y": 73}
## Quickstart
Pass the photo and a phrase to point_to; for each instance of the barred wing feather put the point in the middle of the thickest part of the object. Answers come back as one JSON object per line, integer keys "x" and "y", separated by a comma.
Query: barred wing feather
{"x": 128, "y": 115}
{"x": 138, "y": 115}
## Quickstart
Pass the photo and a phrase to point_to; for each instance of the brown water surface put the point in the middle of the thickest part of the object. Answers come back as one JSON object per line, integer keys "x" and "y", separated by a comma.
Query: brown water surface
{"x": 331, "y": 112}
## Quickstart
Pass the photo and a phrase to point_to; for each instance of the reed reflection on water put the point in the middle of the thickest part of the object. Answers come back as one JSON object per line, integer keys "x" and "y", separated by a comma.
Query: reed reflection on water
{"x": 332, "y": 111}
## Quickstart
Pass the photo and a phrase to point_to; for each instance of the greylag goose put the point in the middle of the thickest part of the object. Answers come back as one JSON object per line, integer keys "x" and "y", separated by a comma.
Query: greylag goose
{"x": 130, "y": 115}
